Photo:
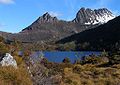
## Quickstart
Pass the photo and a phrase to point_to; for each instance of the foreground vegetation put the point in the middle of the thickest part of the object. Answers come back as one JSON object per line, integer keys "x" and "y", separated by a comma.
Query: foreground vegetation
{"x": 92, "y": 70}
{"x": 10, "y": 75}
{"x": 88, "y": 74}
{"x": 91, "y": 75}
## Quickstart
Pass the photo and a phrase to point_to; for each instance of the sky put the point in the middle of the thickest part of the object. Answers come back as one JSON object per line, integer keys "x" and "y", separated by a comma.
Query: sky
{"x": 16, "y": 15}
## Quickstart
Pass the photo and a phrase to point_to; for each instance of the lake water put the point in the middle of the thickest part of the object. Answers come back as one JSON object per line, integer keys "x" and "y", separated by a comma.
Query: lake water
{"x": 59, "y": 56}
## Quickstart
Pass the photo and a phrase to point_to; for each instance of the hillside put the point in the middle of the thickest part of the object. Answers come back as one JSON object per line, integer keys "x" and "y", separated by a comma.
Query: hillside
{"x": 106, "y": 36}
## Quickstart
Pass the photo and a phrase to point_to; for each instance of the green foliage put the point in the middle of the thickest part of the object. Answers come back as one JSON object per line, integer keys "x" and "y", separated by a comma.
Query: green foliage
{"x": 66, "y": 60}
{"x": 92, "y": 60}
{"x": 115, "y": 59}
{"x": 104, "y": 54}
{"x": 70, "y": 46}
{"x": 67, "y": 46}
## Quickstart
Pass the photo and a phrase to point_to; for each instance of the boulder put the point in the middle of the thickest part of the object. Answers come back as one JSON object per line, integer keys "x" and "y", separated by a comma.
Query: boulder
{"x": 8, "y": 60}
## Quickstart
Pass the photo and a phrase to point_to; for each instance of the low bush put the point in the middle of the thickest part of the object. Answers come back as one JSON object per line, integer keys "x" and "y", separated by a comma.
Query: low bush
{"x": 66, "y": 60}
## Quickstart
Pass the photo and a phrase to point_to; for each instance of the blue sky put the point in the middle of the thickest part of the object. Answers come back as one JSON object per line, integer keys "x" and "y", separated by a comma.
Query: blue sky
{"x": 18, "y": 14}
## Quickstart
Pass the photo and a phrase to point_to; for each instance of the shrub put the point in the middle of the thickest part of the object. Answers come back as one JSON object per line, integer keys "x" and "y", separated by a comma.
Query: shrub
{"x": 70, "y": 46}
{"x": 77, "y": 69}
{"x": 114, "y": 59}
{"x": 66, "y": 60}
{"x": 92, "y": 60}
{"x": 67, "y": 46}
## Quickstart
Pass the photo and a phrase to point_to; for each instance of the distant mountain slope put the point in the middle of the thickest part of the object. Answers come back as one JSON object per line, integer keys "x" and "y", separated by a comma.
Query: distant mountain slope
{"x": 49, "y": 32}
{"x": 48, "y": 28}
{"x": 106, "y": 36}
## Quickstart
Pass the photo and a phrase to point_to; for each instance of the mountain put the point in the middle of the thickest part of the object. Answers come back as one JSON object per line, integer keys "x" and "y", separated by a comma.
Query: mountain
{"x": 48, "y": 28}
{"x": 88, "y": 16}
{"x": 106, "y": 36}
{"x": 46, "y": 18}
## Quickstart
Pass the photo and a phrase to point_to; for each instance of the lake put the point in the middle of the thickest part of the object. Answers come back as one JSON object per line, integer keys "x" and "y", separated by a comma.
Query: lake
{"x": 58, "y": 56}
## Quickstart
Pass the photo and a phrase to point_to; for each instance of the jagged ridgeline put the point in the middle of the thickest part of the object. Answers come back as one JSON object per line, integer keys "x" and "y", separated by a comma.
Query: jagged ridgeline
{"x": 48, "y": 28}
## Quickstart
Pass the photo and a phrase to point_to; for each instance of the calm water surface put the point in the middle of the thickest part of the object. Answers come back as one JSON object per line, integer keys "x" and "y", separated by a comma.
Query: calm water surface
{"x": 59, "y": 55}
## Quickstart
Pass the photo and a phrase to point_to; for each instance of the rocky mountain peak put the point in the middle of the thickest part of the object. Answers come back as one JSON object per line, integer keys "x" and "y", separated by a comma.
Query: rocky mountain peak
{"x": 46, "y": 18}
{"x": 97, "y": 16}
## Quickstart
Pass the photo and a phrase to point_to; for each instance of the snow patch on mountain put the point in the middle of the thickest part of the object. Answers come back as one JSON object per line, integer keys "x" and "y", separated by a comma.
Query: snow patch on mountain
{"x": 92, "y": 17}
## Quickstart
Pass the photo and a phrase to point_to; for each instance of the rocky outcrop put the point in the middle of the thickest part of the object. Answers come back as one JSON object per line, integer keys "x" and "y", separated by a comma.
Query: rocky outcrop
{"x": 47, "y": 18}
{"x": 8, "y": 60}
{"x": 97, "y": 16}
{"x": 36, "y": 57}
{"x": 40, "y": 75}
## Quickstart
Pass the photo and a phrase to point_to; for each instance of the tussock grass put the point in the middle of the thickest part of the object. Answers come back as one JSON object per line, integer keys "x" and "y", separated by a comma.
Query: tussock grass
{"x": 12, "y": 76}
{"x": 92, "y": 75}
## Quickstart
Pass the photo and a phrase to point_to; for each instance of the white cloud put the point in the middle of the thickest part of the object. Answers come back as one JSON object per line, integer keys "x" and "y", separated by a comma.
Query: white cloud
{"x": 55, "y": 14}
{"x": 7, "y": 1}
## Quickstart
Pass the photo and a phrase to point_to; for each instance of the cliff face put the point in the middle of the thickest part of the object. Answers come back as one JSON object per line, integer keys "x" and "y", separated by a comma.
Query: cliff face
{"x": 88, "y": 16}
